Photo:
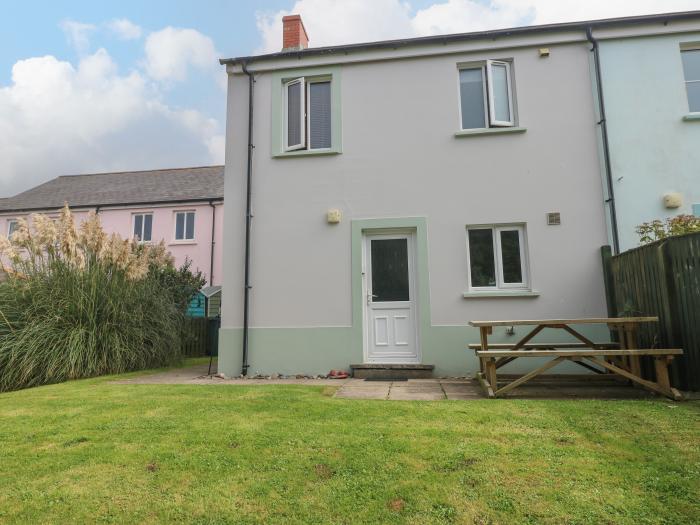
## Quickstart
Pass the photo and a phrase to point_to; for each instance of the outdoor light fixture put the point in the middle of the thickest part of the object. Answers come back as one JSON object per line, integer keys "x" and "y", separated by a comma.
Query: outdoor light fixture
{"x": 333, "y": 216}
{"x": 673, "y": 200}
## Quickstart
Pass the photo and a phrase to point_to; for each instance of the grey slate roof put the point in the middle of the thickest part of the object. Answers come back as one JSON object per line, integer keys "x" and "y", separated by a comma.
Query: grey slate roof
{"x": 129, "y": 187}
{"x": 208, "y": 291}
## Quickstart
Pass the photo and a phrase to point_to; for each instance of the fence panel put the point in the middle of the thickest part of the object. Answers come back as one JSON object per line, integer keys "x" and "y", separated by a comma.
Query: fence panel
{"x": 194, "y": 337}
{"x": 661, "y": 279}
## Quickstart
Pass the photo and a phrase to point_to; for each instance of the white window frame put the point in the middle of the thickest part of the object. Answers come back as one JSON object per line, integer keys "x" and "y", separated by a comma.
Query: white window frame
{"x": 315, "y": 80}
{"x": 492, "y": 106}
{"x": 482, "y": 67}
{"x": 496, "y": 230}
{"x": 184, "y": 226}
{"x": 143, "y": 225}
{"x": 685, "y": 80}
{"x": 487, "y": 89}
{"x": 302, "y": 109}
{"x": 9, "y": 226}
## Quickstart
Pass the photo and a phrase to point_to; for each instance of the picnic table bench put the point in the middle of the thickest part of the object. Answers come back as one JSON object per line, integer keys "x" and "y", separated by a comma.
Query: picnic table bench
{"x": 621, "y": 358}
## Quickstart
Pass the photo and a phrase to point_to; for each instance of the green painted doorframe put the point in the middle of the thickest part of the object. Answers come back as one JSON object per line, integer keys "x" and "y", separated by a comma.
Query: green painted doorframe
{"x": 419, "y": 226}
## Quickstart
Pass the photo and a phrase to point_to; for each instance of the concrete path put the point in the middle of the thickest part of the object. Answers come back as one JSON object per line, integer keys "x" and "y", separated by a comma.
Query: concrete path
{"x": 413, "y": 389}
{"x": 544, "y": 387}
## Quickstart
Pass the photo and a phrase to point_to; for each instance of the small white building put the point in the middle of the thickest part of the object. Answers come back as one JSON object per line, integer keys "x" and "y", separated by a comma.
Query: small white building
{"x": 400, "y": 189}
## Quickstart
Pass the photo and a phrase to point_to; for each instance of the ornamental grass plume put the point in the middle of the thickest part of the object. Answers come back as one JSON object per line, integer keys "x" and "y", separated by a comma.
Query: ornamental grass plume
{"x": 67, "y": 235}
{"x": 91, "y": 236}
{"x": 79, "y": 303}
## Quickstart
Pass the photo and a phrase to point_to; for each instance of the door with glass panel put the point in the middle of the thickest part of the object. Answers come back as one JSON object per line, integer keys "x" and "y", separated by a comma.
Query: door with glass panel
{"x": 390, "y": 299}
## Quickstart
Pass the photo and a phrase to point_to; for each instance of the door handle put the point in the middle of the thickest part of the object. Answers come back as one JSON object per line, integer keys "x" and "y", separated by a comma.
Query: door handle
{"x": 370, "y": 296}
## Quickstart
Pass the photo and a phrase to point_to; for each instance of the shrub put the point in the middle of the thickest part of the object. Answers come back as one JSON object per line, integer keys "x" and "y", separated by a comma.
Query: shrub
{"x": 182, "y": 283}
{"x": 657, "y": 230}
{"x": 78, "y": 303}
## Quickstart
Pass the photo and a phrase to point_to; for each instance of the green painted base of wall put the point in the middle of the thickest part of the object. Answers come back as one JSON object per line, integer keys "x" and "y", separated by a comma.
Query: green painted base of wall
{"x": 318, "y": 350}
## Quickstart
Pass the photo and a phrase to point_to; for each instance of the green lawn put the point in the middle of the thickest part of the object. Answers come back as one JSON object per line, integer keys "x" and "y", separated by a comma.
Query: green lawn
{"x": 90, "y": 451}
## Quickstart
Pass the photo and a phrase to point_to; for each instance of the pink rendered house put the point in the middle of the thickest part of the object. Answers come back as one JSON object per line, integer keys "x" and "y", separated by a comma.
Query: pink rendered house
{"x": 183, "y": 207}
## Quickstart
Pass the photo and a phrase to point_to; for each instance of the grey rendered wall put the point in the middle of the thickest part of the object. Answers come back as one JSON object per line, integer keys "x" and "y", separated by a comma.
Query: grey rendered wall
{"x": 652, "y": 149}
{"x": 401, "y": 159}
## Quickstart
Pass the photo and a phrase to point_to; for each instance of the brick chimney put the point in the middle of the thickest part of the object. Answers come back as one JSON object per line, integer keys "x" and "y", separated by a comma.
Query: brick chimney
{"x": 294, "y": 35}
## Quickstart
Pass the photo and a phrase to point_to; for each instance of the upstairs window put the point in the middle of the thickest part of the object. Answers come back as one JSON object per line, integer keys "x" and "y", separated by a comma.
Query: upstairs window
{"x": 143, "y": 225}
{"x": 307, "y": 114}
{"x": 184, "y": 226}
{"x": 486, "y": 95}
{"x": 497, "y": 257}
{"x": 691, "y": 70}
{"x": 12, "y": 226}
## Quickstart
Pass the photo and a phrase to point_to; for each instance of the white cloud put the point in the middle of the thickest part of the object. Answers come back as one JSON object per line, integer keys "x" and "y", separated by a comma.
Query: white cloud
{"x": 171, "y": 52}
{"x": 332, "y": 22}
{"x": 59, "y": 118}
{"x": 78, "y": 34}
{"x": 125, "y": 29}
{"x": 552, "y": 11}
{"x": 460, "y": 16}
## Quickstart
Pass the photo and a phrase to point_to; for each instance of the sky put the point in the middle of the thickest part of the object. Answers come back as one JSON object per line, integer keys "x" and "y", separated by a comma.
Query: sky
{"x": 94, "y": 86}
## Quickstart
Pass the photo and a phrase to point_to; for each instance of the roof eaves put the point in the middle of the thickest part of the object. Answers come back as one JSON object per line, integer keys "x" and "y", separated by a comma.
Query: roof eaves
{"x": 115, "y": 204}
{"x": 457, "y": 37}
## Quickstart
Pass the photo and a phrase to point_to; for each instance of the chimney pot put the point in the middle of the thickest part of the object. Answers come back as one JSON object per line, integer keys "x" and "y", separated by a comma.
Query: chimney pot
{"x": 294, "y": 35}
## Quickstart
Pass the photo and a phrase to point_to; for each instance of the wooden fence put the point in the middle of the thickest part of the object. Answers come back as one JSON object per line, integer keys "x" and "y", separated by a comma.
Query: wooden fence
{"x": 662, "y": 279}
{"x": 200, "y": 336}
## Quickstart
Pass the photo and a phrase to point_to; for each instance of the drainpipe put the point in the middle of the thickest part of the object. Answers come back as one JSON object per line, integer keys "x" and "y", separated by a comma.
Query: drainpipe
{"x": 248, "y": 218}
{"x": 211, "y": 255}
{"x": 610, "y": 201}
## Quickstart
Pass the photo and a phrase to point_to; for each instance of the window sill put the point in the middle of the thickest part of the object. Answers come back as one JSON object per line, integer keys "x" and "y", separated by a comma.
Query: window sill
{"x": 488, "y": 131}
{"x": 181, "y": 243}
{"x": 501, "y": 293}
{"x": 306, "y": 153}
{"x": 691, "y": 116}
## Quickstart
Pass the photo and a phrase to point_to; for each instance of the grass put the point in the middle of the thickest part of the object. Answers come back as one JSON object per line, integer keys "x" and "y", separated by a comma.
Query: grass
{"x": 93, "y": 451}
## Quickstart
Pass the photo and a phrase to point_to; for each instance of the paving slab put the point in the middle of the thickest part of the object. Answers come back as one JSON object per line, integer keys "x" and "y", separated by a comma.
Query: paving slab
{"x": 470, "y": 396}
{"x": 460, "y": 387}
{"x": 362, "y": 393}
{"x": 402, "y": 394}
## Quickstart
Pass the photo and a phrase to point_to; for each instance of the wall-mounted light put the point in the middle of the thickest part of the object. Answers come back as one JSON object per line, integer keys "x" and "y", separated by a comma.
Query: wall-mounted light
{"x": 543, "y": 51}
{"x": 333, "y": 216}
{"x": 673, "y": 200}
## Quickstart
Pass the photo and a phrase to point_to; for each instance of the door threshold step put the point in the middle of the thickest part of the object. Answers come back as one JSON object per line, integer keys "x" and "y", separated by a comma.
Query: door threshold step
{"x": 392, "y": 371}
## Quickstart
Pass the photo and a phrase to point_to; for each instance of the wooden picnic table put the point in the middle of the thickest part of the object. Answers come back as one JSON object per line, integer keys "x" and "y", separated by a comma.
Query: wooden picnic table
{"x": 620, "y": 358}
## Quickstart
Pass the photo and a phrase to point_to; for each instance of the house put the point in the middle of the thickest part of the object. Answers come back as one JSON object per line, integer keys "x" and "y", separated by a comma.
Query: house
{"x": 183, "y": 206}
{"x": 651, "y": 88}
{"x": 399, "y": 189}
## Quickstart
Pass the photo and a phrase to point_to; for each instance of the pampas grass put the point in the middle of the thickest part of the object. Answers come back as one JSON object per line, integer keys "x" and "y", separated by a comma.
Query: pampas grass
{"x": 78, "y": 303}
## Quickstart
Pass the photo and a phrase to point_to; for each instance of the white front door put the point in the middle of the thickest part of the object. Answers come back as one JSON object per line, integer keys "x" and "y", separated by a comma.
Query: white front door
{"x": 390, "y": 299}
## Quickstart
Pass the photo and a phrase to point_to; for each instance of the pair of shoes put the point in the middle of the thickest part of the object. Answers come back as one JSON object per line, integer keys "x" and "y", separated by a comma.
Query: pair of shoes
{"x": 337, "y": 374}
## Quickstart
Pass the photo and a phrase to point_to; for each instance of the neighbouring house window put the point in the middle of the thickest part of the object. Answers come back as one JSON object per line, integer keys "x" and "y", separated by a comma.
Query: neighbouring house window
{"x": 691, "y": 70}
{"x": 497, "y": 257}
{"x": 184, "y": 226}
{"x": 143, "y": 225}
{"x": 307, "y": 114}
{"x": 486, "y": 95}
{"x": 12, "y": 226}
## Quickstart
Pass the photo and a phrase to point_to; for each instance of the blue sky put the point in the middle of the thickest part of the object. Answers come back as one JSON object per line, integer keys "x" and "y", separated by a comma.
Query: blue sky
{"x": 33, "y": 29}
{"x": 80, "y": 93}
